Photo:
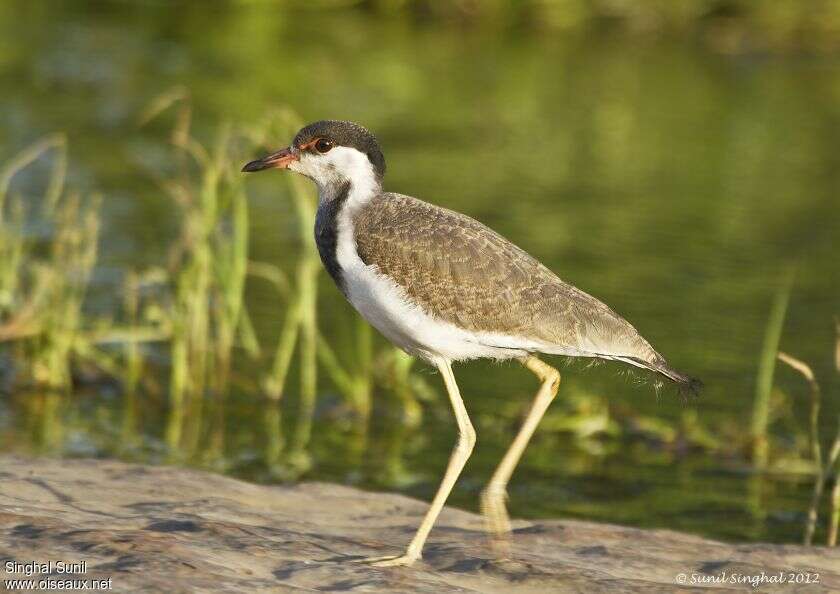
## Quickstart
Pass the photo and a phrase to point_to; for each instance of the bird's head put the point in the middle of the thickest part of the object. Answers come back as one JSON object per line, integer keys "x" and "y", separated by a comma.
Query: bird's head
{"x": 330, "y": 153}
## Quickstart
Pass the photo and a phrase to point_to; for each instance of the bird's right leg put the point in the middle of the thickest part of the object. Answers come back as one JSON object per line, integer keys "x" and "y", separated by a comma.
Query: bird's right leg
{"x": 494, "y": 495}
{"x": 462, "y": 451}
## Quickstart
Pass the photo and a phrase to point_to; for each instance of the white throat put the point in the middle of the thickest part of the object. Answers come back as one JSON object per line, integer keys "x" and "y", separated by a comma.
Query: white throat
{"x": 333, "y": 170}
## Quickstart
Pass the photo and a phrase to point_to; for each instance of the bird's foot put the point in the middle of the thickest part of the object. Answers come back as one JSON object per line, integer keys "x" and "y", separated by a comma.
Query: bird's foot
{"x": 496, "y": 520}
{"x": 494, "y": 511}
{"x": 390, "y": 560}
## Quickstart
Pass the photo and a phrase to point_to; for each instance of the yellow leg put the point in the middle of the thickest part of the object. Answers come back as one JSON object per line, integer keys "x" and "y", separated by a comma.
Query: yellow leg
{"x": 462, "y": 451}
{"x": 494, "y": 495}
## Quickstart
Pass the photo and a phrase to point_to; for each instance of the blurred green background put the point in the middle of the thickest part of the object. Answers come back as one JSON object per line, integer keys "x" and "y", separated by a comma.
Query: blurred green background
{"x": 678, "y": 160}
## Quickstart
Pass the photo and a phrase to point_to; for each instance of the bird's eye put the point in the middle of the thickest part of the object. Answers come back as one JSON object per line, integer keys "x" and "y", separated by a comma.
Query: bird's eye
{"x": 323, "y": 145}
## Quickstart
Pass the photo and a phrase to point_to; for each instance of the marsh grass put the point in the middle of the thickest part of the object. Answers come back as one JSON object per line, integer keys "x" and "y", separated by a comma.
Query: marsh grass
{"x": 44, "y": 279}
{"x": 834, "y": 520}
{"x": 825, "y": 467}
{"x": 189, "y": 312}
{"x": 767, "y": 364}
{"x": 204, "y": 308}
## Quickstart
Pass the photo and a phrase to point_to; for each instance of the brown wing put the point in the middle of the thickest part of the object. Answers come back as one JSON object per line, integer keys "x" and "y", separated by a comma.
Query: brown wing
{"x": 471, "y": 276}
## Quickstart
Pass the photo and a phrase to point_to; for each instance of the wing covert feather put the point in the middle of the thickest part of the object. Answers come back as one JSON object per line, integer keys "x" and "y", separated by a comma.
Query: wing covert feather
{"x": 467, "y": 274}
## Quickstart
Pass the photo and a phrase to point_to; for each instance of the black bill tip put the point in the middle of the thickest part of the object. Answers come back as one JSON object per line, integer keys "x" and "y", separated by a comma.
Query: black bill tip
{"x": 279, "y": 160}
{"x": 257, "y": 165}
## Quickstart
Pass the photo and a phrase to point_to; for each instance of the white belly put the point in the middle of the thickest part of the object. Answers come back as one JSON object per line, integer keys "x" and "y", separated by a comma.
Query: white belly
{"x": 385, "y": 305}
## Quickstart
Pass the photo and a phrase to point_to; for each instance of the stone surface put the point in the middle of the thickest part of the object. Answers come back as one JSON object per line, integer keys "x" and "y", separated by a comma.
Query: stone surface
{"x": 162, "y": 529}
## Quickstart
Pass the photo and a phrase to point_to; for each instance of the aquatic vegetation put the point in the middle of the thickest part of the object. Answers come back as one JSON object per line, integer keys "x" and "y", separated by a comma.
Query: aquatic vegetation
{"x": 767, "y": 365}
{"x": 188, "y": 313}
{"x": 44, "y": 275}
{"x": 825, "y": 468}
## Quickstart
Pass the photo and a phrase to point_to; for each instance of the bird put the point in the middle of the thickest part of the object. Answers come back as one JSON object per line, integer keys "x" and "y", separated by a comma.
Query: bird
{"x": 445, "y": 288}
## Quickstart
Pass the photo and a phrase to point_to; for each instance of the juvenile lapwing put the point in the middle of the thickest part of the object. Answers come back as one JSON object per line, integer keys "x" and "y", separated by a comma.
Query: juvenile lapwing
{"x": 445, "y": 288}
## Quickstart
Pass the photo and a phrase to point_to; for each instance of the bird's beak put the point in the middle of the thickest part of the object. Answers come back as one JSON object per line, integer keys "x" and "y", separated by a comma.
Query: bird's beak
{"x": 279, "y": 160}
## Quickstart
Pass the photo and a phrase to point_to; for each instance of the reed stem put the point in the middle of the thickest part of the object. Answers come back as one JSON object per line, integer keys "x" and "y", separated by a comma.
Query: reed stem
{"x": 767, "y": 364}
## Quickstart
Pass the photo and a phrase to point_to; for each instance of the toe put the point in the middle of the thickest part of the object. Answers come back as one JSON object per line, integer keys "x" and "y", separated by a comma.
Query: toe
{"x": 390, "y": 561}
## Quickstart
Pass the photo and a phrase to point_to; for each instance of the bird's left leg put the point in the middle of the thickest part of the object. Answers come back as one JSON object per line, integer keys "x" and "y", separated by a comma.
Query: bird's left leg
{"x": 494, "y": 495}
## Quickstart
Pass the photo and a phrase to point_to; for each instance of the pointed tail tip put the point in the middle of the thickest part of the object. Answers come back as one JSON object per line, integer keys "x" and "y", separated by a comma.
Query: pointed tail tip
{"x": 685, "y": 383}
{"x": 693, "y": 386}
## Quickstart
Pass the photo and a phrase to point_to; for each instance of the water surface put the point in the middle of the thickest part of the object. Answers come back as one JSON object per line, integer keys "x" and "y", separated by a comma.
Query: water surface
{"x": 673, "y": 183}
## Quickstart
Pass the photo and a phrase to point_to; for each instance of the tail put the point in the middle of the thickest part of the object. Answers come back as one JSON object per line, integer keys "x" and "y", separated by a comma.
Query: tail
{"x": 685, "y": 383}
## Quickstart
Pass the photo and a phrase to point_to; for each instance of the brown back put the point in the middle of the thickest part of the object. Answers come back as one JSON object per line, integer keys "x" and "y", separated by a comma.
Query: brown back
{"x": 465, "y": 273}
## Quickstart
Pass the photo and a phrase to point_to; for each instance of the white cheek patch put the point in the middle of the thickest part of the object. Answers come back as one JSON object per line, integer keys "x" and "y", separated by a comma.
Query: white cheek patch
{"x": 341, "y": 164}
{"x": 313, "y": 167}
{"x": 351, "y": 162}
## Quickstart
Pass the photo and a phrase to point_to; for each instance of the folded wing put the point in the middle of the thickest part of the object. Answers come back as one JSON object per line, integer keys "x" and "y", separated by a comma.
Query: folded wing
{"x": 467, "y": 274}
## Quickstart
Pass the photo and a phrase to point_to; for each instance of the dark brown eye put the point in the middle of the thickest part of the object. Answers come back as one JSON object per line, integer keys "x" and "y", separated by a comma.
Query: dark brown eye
{"x": 323, "y": 145}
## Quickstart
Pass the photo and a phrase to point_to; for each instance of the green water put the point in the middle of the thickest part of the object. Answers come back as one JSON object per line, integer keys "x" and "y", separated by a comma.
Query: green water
{"x": 674, "y": 183}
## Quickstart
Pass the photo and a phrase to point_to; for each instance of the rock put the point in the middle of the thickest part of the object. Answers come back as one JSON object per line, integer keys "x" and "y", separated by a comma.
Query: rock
{"x": 162, "y": 529}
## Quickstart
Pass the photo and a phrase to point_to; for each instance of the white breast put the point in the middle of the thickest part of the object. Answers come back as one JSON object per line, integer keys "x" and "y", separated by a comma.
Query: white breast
{"x": 387, "y": 307}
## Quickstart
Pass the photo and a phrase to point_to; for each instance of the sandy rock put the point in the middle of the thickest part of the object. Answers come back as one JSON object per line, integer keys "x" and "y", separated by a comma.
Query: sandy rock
{"x": 161, "y": 529}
